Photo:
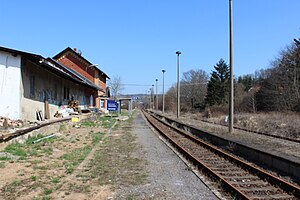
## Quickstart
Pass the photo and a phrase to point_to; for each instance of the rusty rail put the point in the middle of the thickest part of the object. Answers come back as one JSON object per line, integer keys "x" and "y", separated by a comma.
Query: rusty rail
{"x": 287, "y": 187}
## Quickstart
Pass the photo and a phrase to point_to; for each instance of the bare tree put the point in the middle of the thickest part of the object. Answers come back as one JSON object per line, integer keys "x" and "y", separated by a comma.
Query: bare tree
{"x": 193, "y": 89}
{"x": 115, "y": 85}
{"x": 170, "y": 99}
{"x": 280, "y": 89}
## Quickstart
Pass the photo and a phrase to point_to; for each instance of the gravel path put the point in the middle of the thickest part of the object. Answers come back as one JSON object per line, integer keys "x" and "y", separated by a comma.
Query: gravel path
{"x": 168, "y": 177}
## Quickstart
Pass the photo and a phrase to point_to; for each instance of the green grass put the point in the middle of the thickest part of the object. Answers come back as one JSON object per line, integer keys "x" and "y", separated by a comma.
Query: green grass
{"x": 97, "y": 137}
{"x": 74, "y": 158}
{"x": 17, "y": 149}
{"x": 62, "y": 128}
{"x": 55, "y": 180}
{"x": 48, "y": 191}
{"x": 34, "y": 178}
{"x": 12, "y": 186}
{"x": 106, "y": 121}
{"x": 88, "y": 124}
{"x": 4, "y": 158}
{"x": 43, "y": 147}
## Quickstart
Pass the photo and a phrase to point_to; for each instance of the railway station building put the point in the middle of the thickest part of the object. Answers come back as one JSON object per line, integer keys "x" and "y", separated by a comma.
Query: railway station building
{"x": 31, "y": 84}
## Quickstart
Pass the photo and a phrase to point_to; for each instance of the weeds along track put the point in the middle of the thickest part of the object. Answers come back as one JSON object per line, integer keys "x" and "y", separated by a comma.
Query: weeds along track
{"x": 241, "y": 179}
{"x": 257, "y": 132}
{"x": 243, "y": 129}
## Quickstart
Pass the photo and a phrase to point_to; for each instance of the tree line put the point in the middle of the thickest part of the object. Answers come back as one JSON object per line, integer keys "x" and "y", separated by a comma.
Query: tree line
{"x": 274, "y": 89}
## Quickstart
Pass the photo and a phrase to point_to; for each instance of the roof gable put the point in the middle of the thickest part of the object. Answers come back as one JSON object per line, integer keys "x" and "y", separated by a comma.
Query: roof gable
{"x": 79, "y": 57}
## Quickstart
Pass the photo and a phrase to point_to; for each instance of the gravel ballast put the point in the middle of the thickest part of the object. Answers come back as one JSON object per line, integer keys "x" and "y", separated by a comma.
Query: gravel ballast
{"x": 168, "y": 176}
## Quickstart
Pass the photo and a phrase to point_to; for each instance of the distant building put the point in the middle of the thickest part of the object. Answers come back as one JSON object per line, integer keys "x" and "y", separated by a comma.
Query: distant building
{"x": 30, "y": 83}
{"x": 73, "y": 59}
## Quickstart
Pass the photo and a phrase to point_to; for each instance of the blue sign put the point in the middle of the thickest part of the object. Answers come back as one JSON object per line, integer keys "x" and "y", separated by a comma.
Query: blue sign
{"x": 112, "y": 105}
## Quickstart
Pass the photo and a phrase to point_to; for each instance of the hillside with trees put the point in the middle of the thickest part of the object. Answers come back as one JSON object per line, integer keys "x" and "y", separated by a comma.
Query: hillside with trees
{"x": 274, "y": 89}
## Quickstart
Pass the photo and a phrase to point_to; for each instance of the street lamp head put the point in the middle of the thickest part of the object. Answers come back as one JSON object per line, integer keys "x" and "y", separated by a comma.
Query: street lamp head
{"x": 163, "y": 71}
{"x": 178, "y": 53}
{"x": 156, "y": 79}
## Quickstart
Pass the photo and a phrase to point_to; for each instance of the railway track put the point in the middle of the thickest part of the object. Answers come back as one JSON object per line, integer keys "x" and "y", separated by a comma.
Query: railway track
{"x": 243, "y": 180}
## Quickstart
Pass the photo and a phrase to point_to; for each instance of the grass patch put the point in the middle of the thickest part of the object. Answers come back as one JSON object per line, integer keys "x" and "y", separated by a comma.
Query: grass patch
{"x": 75, "y": 158}
{"x": 62, "y": 128}
{"x": 55, "y": 180}
{"x": 4, "y": 158}
{"x": 88, "y": 124}
{"x": 17, "y": 149}
{"x": 12, "y": 186}
{"x": 30, "y": 149}
{"x": 48, "y": 191}
{"x": 97, "y": 137}
{"x": 34, "y": 178}
{"x": 106, "y": 121}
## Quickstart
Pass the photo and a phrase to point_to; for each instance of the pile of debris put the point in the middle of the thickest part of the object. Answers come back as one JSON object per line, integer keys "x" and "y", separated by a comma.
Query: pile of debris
{"x": 9, "y": 123}
{"x": 71, "y": 109}
{"x": 73, "y": 104}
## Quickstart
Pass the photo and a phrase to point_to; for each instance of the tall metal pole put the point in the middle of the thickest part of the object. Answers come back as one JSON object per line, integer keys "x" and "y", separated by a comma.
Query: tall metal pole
{"x": 163, "y": 106}
{"x": 231, "y": 98}
{"x": 156, "y": 96}
{"x": 149, "y": 98}
{"x": 178, "y": 86}
{"x": 152, "y": 93}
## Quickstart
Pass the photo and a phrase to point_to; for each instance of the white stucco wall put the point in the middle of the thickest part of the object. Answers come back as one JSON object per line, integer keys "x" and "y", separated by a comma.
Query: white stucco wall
{"x": 29, "y": 111}
{"x": 10, "y": 76}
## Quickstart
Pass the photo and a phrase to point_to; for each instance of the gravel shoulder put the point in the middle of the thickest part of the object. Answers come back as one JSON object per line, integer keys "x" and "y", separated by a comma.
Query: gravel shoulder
{"x": 168, "y": 176}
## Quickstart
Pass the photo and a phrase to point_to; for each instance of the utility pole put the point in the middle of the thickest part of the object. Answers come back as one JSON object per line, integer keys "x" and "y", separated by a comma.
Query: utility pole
{"x": 178, "y": 86}
{"x": 152, "y": 93}
{"x": 163, "y": 106}
{"x": 231, "y": 97}
{"x": 156, "y": 96}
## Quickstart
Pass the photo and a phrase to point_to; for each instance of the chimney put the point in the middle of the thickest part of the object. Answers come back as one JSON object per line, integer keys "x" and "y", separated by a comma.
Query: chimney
{"x": 75, "y": 50}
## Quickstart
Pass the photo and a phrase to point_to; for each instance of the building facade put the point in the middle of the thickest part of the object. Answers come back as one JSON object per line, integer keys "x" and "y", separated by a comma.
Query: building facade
{"x": 29, "y": 84}
{"x": 73, "y": 59}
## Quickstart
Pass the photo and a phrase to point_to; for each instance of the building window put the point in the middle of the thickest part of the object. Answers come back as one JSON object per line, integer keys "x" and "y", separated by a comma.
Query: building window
{"x": 101, "y": 103}
{"x": 66, "y": 93}
{"x": 32, "y": 86}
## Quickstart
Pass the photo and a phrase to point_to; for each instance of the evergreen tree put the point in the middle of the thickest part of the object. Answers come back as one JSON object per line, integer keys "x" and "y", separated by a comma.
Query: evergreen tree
{"x": 247, "y": 81}
{"x": 218, "y": 85}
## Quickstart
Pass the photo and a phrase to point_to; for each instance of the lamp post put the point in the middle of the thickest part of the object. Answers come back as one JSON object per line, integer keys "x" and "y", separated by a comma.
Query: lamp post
{"x": 156, "y": 96}
{"x": 163, "y": 106}
{"x": 231, "y": 100}
{"x": 178, "y": 85}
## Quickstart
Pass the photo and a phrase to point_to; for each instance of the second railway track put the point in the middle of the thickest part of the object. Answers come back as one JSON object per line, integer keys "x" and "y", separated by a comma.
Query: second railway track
{"x": 242, "y": 179}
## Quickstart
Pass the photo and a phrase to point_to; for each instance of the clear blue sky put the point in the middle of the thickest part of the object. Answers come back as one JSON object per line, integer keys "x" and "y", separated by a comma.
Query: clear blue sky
{"x": 136, "y": 39}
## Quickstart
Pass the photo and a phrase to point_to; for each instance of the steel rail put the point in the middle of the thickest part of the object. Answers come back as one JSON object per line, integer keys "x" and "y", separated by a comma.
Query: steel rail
{"x": 203, "y": 166}
{"x": 286, "y": 186}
